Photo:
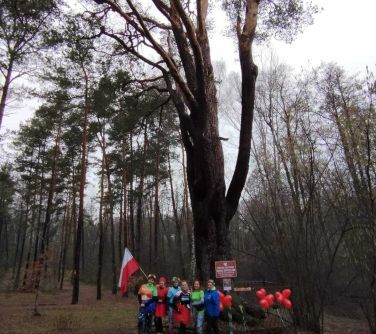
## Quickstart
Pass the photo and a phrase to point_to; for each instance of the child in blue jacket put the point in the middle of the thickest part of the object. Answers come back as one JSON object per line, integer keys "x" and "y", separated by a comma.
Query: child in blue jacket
{"x": 211, "y": 302}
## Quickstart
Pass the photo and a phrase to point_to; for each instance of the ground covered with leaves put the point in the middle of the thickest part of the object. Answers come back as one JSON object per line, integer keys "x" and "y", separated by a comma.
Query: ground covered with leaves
{"x": 113, "y": 314}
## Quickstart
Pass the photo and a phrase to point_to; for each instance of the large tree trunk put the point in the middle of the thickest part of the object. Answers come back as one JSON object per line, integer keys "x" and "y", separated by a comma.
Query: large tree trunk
{"x": 212, "y": 207}
{"x": 5, "y": 89}
{"x": 186, "y": 215}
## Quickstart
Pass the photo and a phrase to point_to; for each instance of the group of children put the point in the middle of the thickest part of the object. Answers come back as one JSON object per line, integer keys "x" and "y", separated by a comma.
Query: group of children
{"x": 182, "y": 305}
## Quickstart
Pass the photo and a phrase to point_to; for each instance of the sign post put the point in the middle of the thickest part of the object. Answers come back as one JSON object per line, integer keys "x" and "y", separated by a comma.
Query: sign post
{"x": 226, "y": 270}
{"x": 227, "y": 284}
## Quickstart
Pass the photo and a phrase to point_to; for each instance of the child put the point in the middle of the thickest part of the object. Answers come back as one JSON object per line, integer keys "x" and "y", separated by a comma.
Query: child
{"x": 172, "y": 291}
{"x": 198, "y": 309}
{"x": 147, "y": 297}
{"x": 211, "y": 302}
{"x": 182, "y": 309}
{"x": 161, "y": 310}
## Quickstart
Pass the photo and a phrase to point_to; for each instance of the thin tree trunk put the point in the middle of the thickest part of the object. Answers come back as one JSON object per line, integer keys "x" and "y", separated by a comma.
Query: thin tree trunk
{"x": 17, "y": 278}
{"x": 51, "y": 191}
{"x": 70, "y": 221}
{"x": 125, "y": 217}
{"x": 101, "y": 236}
{"x": 102, "y": 142}
{"x": 150, "y": 220}
{"x": 40, "y": 205}
{"x": 62, "y": 240}
{"x": 120, "y": 226}
{"x": 179, "y": 245}
{"x": 19, "y": 231}
{"x": 156, "y": 197}
{"x": 132, "y": 238}
{"x": 80, "y": 222}
{"x": 140, "y": 197}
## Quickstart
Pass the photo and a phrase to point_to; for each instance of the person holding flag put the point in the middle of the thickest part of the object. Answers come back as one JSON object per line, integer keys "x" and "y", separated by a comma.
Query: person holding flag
{"x": 147, "y": 297}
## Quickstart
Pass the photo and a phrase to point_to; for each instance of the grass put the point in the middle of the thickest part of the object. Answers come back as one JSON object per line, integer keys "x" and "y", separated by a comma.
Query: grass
{"x": 113, "y": 314}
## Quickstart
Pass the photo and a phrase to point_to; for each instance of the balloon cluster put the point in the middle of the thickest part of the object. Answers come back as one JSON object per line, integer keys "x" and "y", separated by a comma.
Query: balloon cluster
{"x": 225, "y": 301}
{"x": 267, "y": 300}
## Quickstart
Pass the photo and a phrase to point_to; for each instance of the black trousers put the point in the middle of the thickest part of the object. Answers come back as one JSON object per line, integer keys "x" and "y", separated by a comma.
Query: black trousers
{"x": 211, "y": 325}
{"x": 158, "y": 324}
{"x": 182, "y": 329}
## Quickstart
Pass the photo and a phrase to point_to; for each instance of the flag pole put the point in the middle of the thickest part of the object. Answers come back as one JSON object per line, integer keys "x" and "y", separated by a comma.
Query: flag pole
{"x": 143, "y": 272}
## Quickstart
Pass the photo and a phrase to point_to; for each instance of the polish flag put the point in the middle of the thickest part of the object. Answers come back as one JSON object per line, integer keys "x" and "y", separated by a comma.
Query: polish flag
{"x": 128, "y": 267}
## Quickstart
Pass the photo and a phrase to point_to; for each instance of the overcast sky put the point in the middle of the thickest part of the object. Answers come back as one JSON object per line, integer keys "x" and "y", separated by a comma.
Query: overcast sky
{"x": 343, "y": 32}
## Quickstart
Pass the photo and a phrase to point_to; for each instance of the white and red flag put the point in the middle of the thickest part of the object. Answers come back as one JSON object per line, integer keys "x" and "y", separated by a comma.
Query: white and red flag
{"x": 128, "y": 267}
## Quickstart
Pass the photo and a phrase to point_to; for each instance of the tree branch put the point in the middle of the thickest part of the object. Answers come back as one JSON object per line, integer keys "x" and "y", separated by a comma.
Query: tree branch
{"x": 249, "y": 75}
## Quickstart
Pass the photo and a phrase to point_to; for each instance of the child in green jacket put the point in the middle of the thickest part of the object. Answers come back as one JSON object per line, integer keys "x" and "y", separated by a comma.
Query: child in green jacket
{"x": 198, "y": 309}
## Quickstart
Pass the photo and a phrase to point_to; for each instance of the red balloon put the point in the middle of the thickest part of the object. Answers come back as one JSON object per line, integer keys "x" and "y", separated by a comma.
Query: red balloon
{"x": 263, "y": 291}
{"x": 270, "y": 299}
{"x": 264, "y": 304}
{"x": 227, "y": 301}
{"x": 286, "y": 293}
{"x": 277, "y": 294}
{"x": 260, "y": 294}
{"x": 287, "y": 303}
{"x": 280, "y": 299}
{"x": 221, "y": 306}
{"x": 221, "y": 295}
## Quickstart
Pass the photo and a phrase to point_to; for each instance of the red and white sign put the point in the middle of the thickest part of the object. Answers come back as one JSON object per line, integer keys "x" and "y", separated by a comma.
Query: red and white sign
{"x": 225, "y": 269}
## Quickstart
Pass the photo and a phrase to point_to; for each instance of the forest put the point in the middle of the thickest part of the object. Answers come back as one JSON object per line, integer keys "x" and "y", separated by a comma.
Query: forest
{"x": 139, "y": 140}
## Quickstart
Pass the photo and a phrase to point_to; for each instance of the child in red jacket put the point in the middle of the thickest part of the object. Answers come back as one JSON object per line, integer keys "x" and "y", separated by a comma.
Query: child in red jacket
{"x": 161, "y": 310}
{"x": 182, "y": 309}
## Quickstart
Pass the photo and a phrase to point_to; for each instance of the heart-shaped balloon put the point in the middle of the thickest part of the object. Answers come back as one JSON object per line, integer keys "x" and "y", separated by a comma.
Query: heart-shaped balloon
{"x": 260, "y": 294}
{"x": 264, "y": 304}
{"x": 286, "y": 293}
{"x": 287, "y": 303}
{"x": 270, "y": 299}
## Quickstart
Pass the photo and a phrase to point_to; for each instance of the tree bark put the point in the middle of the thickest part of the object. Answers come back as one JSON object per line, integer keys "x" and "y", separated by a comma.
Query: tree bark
{"x": 178, "y": 229}
{"x": 80, "y": 221}
{"x": 101, "y": 235}
{"x": 51, "y": 191}
{"x": 132, "y": 237}
{"x": 156, "y": 195}
{"x": 140, "y": 197}
{"x": 5, "y": 89}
